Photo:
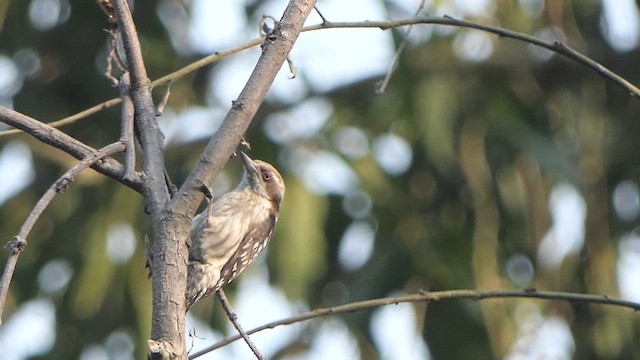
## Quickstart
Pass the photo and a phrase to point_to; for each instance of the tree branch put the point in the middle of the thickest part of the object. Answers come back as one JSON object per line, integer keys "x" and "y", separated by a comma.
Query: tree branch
{"x": 424, "y": 296}
{"x": 222, "y": 145}
{"x": 58, "y": 139}
{"x": 20, "y": 241}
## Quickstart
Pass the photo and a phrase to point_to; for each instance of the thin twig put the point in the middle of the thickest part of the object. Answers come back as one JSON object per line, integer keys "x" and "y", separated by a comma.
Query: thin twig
{"x": 555, "y": 46}
{"x": 114, "y": 55}
{"x": 164, "y": 101}
{"x": 71, "y": 119}
{"x": 394, "y": 63}
{"x": 178, "y": 74}
{"x": 15, "y": 248}
{"x": 108, "y": 71}
{"x": 424, "y": 296}
{"x": 324, "y": 19}
{"x": 20, "y": 241}
{"x": 234, "y": 320}
{"x": 126, "y": 127}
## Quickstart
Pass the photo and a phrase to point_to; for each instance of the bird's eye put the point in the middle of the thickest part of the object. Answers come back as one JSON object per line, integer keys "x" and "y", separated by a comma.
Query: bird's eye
{"x": 266, "y": 176}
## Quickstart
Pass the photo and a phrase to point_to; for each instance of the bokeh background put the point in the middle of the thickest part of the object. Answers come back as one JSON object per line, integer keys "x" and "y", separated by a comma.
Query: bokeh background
{"x": 486, "y": 164}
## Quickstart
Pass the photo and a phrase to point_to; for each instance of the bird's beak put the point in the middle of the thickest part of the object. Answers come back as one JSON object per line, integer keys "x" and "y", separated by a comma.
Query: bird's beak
{"x": 249, "y": 165}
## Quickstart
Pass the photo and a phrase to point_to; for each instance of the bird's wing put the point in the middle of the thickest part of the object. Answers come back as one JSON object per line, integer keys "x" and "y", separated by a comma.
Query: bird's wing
{"x": 249, "y": 248}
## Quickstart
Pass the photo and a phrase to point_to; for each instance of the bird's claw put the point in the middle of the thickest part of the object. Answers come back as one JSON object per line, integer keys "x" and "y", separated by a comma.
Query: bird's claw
{"x": 206, "y": 190}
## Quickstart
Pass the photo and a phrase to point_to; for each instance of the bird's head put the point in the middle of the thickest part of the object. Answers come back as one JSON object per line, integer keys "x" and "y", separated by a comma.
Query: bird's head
{"x": 263, "y": 179}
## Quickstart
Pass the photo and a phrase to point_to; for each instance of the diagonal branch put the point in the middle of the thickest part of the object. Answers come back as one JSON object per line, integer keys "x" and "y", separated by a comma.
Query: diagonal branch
{"x": 382, "y": 86}
{"x": 73, "y": 118}
{"x": 234, "y": 320}
{"x": 20, "y": 241}
{"x": 428, "y": 297}
{"x": 222, "y": 145}
{"x": 58, "y": 139}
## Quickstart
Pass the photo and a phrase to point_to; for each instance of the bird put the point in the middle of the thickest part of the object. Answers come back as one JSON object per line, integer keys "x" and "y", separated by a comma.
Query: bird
{"x": 233, "y": 230}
